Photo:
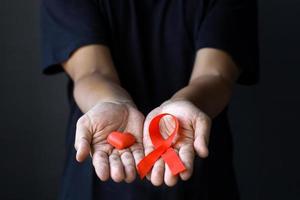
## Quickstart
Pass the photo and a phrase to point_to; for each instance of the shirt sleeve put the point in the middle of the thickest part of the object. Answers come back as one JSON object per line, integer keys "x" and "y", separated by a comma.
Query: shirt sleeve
{"x": 231, "y": 25}
{"x": 67, "y": 25}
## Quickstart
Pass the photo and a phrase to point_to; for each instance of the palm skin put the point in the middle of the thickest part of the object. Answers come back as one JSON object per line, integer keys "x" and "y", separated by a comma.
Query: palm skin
{"x": 192, "y": 136}
{"x": 91, "y": 138}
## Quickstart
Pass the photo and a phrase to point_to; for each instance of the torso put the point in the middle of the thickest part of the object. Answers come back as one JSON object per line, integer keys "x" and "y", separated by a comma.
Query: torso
{"x": 152, "y": 48}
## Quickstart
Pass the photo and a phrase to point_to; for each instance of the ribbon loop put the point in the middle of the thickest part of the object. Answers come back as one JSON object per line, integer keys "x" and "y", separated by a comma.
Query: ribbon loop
{"x": 163, "y": 148}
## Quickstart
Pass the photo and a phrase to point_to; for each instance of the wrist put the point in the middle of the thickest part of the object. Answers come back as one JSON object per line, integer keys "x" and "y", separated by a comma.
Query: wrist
{"x": 210, "y": 94}
{"x": 127, "y": 102}
{"x": 187, "y": 93}
{"x": 96, "y": 89}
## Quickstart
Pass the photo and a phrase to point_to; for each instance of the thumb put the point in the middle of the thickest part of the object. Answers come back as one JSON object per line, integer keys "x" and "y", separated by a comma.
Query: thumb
{"x": 83, "y": 139}
{"x": 202, "y": 131}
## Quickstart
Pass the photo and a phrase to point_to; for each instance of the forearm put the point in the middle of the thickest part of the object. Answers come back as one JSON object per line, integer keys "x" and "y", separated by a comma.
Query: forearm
{"x": 95, "y": 79}
{"x": 211, "y": 81}
{"x": 96, "y": 88}
{"x": 208, "y": 92}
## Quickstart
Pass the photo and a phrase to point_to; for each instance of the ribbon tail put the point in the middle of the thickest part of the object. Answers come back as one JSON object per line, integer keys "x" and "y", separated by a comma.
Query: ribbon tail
{"x": 147, "y": 162}
{"x": 173, "y": 161}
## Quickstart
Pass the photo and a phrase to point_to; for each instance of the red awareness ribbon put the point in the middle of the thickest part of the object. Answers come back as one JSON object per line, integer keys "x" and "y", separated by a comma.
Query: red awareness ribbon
{"x": 163, "y": 148}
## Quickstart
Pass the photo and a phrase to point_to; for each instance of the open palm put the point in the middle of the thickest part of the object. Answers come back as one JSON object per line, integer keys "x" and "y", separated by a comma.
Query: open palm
{"x": 192, "y": 136}
{"x": 91, "y": 138}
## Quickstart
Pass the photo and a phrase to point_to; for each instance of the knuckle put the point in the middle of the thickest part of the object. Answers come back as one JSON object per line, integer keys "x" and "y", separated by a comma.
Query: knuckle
{"x": 139, "y": 151}
{"x": 126, "y": 156}
{"x": 114, "y": 158}
{"x": 100, "y": 156}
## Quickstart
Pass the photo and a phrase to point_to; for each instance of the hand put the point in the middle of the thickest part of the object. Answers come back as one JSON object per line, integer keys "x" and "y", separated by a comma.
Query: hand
{"x": 193, "y": 136}
{"x": 91, "y": 134}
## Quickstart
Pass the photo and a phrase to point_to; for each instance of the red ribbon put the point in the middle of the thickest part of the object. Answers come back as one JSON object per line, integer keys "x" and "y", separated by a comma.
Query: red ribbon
{"x": 163, "y": 148}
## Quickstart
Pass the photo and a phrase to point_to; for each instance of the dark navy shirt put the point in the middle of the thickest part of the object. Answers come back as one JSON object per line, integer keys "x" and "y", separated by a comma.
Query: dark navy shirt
{"x": 153, "y": 44}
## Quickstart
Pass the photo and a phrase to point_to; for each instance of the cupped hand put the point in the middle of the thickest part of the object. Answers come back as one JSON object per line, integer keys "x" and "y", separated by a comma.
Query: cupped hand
{"x": 91, "y": 138}
{"x": 192, "y": 137}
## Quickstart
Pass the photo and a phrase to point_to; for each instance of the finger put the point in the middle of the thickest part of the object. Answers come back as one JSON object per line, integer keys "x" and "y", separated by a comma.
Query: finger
{"x": 129, "y": 166}
{"x": 135, "y": 126}
{"x": 116, "y": 168}
{"x": 187, "y": 155}
{"x": 101, "y": 165}
{"x": 202, "y": 130}
{"x": 83, "y": 140}
{"x": 138, "y": 152}
{"x": 157, "y": 174}
{"x": 169, "y": 178}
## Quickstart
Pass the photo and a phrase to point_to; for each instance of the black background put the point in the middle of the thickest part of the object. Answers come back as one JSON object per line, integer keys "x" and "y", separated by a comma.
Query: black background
{"x": 34, "y": 110}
